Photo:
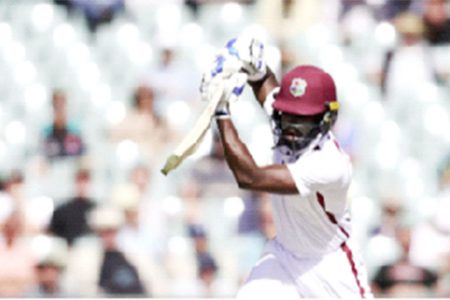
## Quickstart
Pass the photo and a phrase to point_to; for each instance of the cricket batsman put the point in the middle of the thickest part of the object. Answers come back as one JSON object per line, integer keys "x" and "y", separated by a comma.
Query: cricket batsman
{"x": 313, "y": 254}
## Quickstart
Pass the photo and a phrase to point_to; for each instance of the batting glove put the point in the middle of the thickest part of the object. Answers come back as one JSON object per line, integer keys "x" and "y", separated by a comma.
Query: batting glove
{"x": 232, "y": 90}
{"x": 250, "y": 51}
{"x": 223, "y": 68}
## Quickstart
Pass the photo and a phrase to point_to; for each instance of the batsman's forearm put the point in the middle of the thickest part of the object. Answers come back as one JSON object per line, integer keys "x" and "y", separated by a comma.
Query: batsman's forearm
{"x": 237, "y": 155}
{"x": 264, "y": 86}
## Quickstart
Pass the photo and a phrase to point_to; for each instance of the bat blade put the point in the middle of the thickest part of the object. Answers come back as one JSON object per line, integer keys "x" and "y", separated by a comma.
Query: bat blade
{"x": 194, "y": 137}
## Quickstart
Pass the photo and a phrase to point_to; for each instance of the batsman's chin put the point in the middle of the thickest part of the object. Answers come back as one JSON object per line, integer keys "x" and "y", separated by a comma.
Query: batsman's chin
{"x": 290, "y": 137}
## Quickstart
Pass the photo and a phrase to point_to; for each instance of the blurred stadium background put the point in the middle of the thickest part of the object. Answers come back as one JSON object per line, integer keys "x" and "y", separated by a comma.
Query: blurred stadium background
{"x": 95, "y": 93}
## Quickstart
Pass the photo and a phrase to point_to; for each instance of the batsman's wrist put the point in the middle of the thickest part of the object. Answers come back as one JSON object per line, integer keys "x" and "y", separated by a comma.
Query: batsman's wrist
{"x": 223, "y": 117}
{"x": 255, "y": 75}
{"x": 222, "y": 113}
{"x": 222, "y": 109}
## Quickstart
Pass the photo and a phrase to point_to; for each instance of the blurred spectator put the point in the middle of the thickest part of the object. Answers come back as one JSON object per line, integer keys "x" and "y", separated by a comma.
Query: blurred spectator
{"x": 17, "y": 261}
{"x": 127, "y": 197}
{"x": 209, "y": 184}
{"x": 391, "y": 217}
{"x": 412, "y": 48}
{"x": 48, "y": 276}
{"x": 444, "y": 176}
{"x": 6, "y": 202}
{"x": 200, "y": 239}
{"x": 99, "y": 265}
{"x": 69, "y": 220}
{"x": 392, "y": 9}
{"x": 175, "y": 84}
{"x": 437, "y": 21}
{"x": 145, "y": 227}
{"x": 253, "y": 230}
{"x": 249, "y": 220}
{"x": 207, "y": 271}
{"x": 436, "y": 232}
{"x": 211, "y": 175}
{"x": 348, "y": 5}
{"x": 402, "y": 278}
{"x": 403, "y": 89}
{"x": 14, "y": 187}
{"x": 62, "y": 138}
{"x": 195, "y": 5}
{"x": 436, "y": 229}
{"x": 289, "y": 57}
{"x": 17, "y": 199}
{"x": 62, "y": 2}
{"x": 49, "y": 269}
{"x": 348, "y": 134}
{"x": 357, "y": 19}
{"x": 443, "y": 285}
{"x": 206, "y": 191}
{"x": 286, "y": 19}
{"x": 98, "y": 12}
{"x": 209, "y": 285}
{"x": 143, "y": 126}
{"x": 66, "y": 3}
{"x": 117, "y": 275}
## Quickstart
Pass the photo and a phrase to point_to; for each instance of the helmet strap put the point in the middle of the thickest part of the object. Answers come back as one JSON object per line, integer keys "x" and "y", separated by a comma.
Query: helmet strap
{"x": 330, "y": 116}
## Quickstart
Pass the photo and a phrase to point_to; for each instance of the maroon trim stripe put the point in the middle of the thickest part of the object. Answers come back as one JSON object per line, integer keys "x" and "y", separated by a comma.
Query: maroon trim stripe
{"x": 344, "y": 246}
{"x": 330, "y": 216}
{"x": 349, "y": 254}
{"x": 337, "y": 145}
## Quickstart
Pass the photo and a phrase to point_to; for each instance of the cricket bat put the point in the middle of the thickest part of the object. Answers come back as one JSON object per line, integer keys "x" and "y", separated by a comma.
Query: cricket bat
{"x": 195, "y": 136}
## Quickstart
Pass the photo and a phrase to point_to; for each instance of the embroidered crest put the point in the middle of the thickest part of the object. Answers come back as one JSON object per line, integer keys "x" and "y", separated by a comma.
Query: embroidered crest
{"x": 298, "y": 87}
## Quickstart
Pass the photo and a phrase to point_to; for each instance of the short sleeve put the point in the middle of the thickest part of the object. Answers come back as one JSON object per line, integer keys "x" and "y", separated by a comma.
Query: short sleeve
{"x": 316, "y": 172}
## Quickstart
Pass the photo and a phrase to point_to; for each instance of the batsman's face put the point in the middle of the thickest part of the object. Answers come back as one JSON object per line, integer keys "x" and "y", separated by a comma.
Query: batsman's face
{"x": 296, "y": 132}
{"x": 294, "y": 127}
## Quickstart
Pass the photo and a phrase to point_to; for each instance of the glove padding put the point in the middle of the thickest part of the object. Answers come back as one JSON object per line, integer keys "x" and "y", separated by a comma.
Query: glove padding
{"x": 233, "y": 88}
{"x": 250, "y": 51}
{"x": 226, "y": 72}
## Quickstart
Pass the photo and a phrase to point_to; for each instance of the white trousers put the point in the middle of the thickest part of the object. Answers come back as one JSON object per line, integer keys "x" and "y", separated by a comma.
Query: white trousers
{"x": 280, "y": 275}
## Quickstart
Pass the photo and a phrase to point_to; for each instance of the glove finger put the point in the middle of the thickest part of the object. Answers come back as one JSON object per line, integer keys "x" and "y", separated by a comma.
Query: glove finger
{"x": 220, "y": 59}
{"x": 205, "y": 85}
{"x": 257, "y": 54}
{"x": 250, "y": 52}
{"x": 214, "y": 84}
{"x": 235, "y": 86}
{"x": 225, "y": 63}
{"x": 231, "y": 66}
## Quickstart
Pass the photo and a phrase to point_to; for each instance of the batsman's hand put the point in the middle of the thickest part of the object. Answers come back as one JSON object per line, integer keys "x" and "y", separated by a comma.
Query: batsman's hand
{"x": 250, "y": 51}
{"x": 232, "y": 90}
{"x": 222, "y": 74}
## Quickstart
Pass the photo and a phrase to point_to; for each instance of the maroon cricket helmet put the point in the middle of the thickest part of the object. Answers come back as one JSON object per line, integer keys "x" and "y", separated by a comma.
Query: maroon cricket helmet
{"x": 305, "y": 90}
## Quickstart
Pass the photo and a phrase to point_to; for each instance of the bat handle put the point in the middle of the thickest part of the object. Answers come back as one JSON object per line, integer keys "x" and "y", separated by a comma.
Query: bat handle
{"x": 172, "y": 162}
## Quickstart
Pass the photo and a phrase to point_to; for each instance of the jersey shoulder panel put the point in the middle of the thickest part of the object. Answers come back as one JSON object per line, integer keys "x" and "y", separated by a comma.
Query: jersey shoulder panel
{"x": 326, "y": 168}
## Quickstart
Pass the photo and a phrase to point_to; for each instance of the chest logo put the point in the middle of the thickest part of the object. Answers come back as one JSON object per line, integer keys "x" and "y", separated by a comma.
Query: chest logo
{"x": 298, "y": 87}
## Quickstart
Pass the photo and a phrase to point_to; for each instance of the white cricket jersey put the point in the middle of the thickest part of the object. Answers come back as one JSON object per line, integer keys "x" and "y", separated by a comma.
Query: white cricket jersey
{"x": 317, "y": 221}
